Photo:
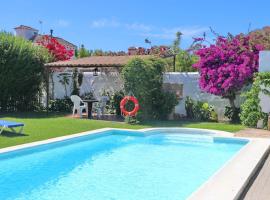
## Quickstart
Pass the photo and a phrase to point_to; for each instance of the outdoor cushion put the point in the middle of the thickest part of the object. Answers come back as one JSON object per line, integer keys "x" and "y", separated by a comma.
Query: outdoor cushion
{"x": 11, "y": 125}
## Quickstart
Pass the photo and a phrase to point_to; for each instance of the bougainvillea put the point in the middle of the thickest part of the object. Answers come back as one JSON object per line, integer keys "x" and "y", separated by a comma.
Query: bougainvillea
{"x": 226, "y": 66}
{"x": 59, "y": 51}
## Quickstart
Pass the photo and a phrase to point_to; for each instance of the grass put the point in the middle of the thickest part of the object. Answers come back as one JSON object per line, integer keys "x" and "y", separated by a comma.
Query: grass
{"x": 39, "y": 126}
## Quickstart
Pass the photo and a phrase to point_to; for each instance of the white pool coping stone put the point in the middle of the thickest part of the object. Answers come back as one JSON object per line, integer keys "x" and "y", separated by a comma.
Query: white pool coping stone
{"x": 226, "y": 184}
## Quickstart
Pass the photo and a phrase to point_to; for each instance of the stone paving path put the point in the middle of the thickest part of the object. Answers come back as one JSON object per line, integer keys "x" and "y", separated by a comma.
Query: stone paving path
{"x": 252, "y": 132}
{"x": 260, "y": 188}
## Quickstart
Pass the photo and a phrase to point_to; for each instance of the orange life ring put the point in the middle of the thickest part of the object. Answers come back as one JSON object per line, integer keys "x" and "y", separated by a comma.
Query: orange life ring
{"x": 123, "y": 103}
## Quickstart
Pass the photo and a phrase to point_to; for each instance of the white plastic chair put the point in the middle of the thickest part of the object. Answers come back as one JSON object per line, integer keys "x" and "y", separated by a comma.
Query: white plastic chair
{"x": 77, "y": 105}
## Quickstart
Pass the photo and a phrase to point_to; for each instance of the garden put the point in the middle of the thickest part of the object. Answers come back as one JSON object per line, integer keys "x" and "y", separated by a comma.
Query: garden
{"x": 228, "y": 68}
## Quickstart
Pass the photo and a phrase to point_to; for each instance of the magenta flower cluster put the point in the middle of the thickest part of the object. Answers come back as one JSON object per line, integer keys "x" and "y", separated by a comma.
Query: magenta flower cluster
{"x": 228, "y": 65}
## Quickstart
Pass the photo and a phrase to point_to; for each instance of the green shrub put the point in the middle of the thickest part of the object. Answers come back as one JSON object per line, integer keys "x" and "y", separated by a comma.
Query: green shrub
{"x": 21, "y": 73}
{"x": 60, "y": 105}
{"x": 251, "y": 111}
{"x": 116, "y": 99}
{"x": 144, "y": 78}
{"x": 198, "y": 110}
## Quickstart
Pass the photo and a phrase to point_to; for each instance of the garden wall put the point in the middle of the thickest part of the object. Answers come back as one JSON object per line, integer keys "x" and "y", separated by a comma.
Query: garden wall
{"x": 264, "y": 66}
{"x": 111, "y": 82}
{"x": 191, "y": 88}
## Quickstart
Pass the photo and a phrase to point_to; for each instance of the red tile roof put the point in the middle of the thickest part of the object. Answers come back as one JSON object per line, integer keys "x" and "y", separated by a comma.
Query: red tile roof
{"x": 96, "y": 61}
{"x": 25, "y": 27}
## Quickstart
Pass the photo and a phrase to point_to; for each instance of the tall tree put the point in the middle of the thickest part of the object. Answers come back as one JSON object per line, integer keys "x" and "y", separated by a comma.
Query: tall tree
{"x": 177, "y": 42}
{"x": 83, "y": 52}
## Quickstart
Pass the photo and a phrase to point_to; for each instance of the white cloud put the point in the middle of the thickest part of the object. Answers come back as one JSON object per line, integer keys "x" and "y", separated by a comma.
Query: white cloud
{"x": 104, "y": 23}
{"x": 139, "y": 27}
{"x": 62, "y": 23}
{"x": 112, "y": 23}
{"x": 150, "y": 30}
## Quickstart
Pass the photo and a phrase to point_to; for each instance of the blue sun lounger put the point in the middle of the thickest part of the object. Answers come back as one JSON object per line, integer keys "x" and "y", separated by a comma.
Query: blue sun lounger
{"x": 11, "y": 125}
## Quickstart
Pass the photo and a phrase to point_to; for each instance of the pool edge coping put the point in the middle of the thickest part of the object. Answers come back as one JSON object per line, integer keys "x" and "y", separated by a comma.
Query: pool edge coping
{"x": 230, "y": 181}
{"x": 92, "y": 132}
{"x": 214, "y": 185}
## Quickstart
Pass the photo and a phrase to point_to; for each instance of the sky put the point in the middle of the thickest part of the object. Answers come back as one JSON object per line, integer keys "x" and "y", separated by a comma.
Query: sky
{"x": 118, "y": 24}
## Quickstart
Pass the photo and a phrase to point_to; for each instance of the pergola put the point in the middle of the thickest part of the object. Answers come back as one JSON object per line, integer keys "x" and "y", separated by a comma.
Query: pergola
{"x": 92, "y": 63}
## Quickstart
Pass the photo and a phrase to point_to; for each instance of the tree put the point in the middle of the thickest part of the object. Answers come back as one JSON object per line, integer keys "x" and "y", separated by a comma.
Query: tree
{"x": 59, "y": 51}
{"x": 83, "y": 52}
{"x": 228, "y": 65}
{"x": 176, "y": 43}
{"x": 64, "y": 79}
{"x": 262, "y": 37}
{"x": 185, "y": 60}
{"x": 21, "y": 73}
{"x": 144, "y": 78}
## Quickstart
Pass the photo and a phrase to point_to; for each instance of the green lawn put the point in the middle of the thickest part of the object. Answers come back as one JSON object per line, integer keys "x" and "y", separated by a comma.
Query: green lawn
{"x": 39, "y": 126}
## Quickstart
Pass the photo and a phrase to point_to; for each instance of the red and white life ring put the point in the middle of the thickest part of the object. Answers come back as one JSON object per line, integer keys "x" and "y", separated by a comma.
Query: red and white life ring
{"x": 123, "y": 103}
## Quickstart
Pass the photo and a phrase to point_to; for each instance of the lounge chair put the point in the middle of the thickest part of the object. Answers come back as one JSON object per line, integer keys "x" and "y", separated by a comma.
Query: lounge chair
{"x": 11, "y": 125}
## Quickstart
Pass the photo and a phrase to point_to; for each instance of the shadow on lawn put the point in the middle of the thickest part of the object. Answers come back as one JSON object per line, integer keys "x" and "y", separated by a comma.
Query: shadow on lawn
{"x": 12, "y": 134}
{"x": 33, "y": 115}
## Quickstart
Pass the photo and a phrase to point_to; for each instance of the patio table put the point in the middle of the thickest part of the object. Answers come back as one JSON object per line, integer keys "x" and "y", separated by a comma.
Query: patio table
{"x": 89, "y": 106}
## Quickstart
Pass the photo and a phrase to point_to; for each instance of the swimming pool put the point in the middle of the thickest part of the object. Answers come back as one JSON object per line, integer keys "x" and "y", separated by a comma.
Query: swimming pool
{"x": 117, "y": 165}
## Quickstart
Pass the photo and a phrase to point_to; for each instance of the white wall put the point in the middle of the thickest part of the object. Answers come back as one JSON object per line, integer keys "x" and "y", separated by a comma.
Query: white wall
{"x": 112, "y": 82}
{"x": 264, "y": 61}
{"x": 264, "y": 66}
{"x": 25, "y": 33}
{"x": 191, "y": 88}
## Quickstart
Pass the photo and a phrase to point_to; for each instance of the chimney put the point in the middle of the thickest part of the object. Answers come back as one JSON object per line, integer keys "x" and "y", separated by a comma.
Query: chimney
{"x": 26, "y": 32}
{"x": 132, "y": 51}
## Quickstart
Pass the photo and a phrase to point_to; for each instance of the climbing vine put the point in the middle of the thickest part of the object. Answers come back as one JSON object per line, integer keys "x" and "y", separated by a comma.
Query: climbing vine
{"x": 251, "y": 111}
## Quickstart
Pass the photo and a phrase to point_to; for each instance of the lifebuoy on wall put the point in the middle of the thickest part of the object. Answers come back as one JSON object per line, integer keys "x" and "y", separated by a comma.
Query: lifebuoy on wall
{"x": 123, "y": 103}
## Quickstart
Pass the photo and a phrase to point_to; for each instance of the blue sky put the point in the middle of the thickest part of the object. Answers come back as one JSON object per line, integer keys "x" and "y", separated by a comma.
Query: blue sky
{"x": 118, "y": 24}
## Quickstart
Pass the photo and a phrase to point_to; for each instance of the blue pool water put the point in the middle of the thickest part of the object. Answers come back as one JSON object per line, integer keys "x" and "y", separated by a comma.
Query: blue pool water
{"x": 115, "y": 165}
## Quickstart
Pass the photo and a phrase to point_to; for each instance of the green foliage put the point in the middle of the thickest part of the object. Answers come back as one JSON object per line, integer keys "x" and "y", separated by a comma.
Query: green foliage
{"x": 198, "y": 110}
{"x": 176, "y": 43}
{"x": 144, "y": 78}
{"x": 64, "y": 80}
{"x": 21, "y": 72}
{"x": 77, "y": 79}
{"x": 184, "y": 61}
{"x": 232, "y": 113}
{"x": 83, "y": 52}
{"x": 251, "y": 111}
{"x": 60, "y": 105}
{"x": 131, "y": 120}
{"x": 80, "y": 78}
{"x": 116, "y": 99}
